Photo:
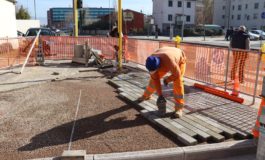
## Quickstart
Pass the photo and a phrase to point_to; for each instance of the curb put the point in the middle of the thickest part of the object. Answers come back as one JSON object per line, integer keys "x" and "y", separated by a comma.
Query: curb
{"x": 199, "y": 152}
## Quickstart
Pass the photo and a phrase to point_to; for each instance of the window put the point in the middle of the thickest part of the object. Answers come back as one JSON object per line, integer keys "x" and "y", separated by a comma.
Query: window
{"x": 256, "y": 6}
{"x": 248, "y": 17}
{"x": 264, "y": 5}
{"x": 188, "y": 4}
{"x": 233, "y": 7}
{"x": 238, "y": 17}
{"x": 239, "y": 7}
{"x": 232, "y": 17}
{"x": 170, "y": 17}
{"x": 179, "y": 4}
{"x": 255, "y": 16}
{"x": 246, "y": 6}
{"x": 170, "y": 3}
{"x": 223, "y": 16}
{"x": 223, "y": 7}
{"x": 187, "y": 18}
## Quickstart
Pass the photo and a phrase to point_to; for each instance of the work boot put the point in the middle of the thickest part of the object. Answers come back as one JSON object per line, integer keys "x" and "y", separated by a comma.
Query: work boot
{"x": 178, "y": 113}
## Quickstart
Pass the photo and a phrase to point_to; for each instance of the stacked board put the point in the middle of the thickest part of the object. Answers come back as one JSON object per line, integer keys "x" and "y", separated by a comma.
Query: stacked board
{"x": 198, "y": 124}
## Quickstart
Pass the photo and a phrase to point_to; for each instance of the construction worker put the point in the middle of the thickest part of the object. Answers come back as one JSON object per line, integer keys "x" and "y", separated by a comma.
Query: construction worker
{"x": 164, "y": 60}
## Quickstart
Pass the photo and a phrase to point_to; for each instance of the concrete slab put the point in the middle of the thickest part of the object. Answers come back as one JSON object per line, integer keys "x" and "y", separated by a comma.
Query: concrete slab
{"x": 160, "y": 154}
{"x": 220, "y": 150}
{"x": 73, "y": 155}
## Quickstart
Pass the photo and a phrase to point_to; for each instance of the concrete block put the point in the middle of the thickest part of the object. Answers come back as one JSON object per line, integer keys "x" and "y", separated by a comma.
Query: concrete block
{"x": 73, "y": 155}
{"x": 160, "y": 154}
{"x": 220, "y": 150}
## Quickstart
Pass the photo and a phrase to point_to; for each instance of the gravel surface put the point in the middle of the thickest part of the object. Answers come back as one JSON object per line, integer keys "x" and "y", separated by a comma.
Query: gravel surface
{"x": 36, "y": 121}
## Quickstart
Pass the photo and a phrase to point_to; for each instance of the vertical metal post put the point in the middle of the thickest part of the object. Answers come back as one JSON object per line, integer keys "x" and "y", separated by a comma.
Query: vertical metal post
{"x": 35, "y": 9}
{"x": 257, "y": 78}
{"x": 182, "y": 26}
{"x": 227, "y": 69}
{"x": 75, "y": 17}
{"x": 120, "y": 33}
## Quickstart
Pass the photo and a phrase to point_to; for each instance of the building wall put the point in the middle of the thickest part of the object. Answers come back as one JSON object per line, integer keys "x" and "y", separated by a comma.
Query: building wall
{"x": 24, "y": 25}
{"x": 137, "y": 23}
{"x": 63, "y": 17}
{"x": 250, "y": 16}
{"x": 161, "y": 11}
{"x": 8, "y": 19}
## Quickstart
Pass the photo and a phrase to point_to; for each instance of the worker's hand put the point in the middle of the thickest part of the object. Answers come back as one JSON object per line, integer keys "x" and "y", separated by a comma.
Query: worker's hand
{"x": 142, "y": 98}
{"x": 165, "y": 82}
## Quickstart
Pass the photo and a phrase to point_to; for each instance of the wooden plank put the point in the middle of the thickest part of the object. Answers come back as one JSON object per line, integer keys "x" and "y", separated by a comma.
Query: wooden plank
{"x": 215, "y": 136}
{"x": 229, "y": 133}
{"x": 201, "y": 134}
{"x": 184, "y": 138}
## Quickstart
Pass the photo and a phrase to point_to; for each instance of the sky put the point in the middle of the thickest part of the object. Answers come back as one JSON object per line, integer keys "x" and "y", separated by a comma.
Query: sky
{"x": 42, "y": 6}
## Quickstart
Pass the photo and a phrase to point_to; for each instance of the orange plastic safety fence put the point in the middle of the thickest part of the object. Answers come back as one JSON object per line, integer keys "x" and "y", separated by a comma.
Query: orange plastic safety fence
{"x": 208, "y": 64}
{"x": 63, "y": 47}
{"x": 13, "y": 51}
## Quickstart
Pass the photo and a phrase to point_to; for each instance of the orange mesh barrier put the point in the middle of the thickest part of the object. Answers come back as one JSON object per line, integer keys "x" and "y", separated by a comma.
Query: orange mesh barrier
{"x": 242, "y": 68}
{"x": 63, "y": 47}
{"x": 208, "y": 64}
{"x": 13, "y": 51}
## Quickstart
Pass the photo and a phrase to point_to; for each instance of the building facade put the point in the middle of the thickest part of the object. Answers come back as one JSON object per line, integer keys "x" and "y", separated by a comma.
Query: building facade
{"x": 250, "y": 13}
{"x": 62, "y": 18}
{"x": 132, "y": 21}
{"x": 171, "y": 13}
{"x": 8, "y": 19}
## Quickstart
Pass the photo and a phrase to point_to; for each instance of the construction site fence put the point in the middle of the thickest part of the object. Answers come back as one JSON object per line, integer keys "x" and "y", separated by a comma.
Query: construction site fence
{"x": 213, "y": 65}
{"x": 13, "y": 51}
{"x": 216, "y": 66}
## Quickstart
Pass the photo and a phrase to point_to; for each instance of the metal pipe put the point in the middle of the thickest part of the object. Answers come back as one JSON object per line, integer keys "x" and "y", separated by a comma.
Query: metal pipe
{"x": 182, "y": 27}
{"x": 120, "y": 33}
{"x": 75, "y": 17}
{"x": 35, "y": 9}
{"x": 227, "y": 65}
{"x": 257, "y": 78}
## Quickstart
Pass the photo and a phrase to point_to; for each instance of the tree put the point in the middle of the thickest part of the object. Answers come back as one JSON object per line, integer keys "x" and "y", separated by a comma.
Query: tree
{"x": 22, "y": 13}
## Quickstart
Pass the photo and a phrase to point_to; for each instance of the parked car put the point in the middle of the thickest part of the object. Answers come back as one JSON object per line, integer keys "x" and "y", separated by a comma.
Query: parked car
{"x": 44, "y": 32}
{"x": 253, "y": 36}
{"x": 259, "y": 32}
{"x": 20, "y": 34}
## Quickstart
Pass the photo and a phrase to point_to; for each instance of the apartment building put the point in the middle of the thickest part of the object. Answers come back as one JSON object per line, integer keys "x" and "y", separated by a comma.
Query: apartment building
{"x": 171, "y": 13}
{"x": 250, "y": 13}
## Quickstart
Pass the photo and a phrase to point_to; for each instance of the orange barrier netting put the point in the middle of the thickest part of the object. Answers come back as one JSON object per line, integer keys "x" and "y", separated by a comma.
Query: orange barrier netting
{"x": 13, "y": 51}
{"x": 207, "y": 64}
{"x": 216, "y": 66}
{"x": 63, "y": 47}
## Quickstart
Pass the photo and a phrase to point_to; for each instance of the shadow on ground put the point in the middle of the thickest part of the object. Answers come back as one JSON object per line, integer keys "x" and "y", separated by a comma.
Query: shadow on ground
{"x": 85, "y": 128}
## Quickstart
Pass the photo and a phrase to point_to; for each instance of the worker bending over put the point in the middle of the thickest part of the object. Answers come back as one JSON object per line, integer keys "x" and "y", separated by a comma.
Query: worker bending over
{"x": 164, "y": 60}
